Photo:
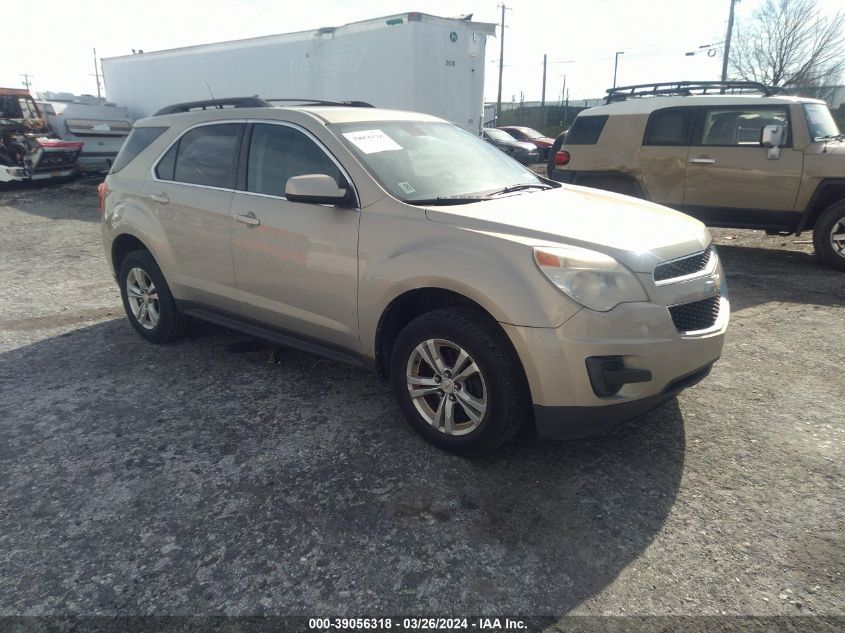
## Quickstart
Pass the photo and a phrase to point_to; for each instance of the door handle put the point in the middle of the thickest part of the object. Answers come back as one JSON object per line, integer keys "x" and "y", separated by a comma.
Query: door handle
{"x": 703, "y": 161}
{"x": 160, "y": 198}
{"x": 249, "y": 219}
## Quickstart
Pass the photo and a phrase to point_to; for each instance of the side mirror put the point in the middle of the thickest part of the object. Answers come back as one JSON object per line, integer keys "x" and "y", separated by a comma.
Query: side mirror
{"x": 771, "y": 136}
{"x": 317, "y": 189}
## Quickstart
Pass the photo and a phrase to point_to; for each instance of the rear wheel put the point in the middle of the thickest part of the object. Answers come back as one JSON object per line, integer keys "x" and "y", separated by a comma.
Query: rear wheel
{"x": 459, "y": 381}
{"x": 147, "y": 299}
{"x": 829, "y": 236}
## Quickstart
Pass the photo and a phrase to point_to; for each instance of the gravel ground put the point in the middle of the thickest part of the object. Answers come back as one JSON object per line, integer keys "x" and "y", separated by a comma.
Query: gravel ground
{"x": 210, "y": 477}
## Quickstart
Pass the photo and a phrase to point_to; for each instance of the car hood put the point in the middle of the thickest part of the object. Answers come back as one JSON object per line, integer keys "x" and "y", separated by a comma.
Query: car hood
{"x": 639, "y": 234}
{"x": 528, "y": 147}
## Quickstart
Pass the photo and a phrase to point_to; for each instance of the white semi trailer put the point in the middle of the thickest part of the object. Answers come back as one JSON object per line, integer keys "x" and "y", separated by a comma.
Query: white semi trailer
{"x": 410, "y": 61}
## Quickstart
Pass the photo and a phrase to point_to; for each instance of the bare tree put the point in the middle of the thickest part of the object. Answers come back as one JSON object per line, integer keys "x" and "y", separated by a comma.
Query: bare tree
{"x": 790, "y": 43}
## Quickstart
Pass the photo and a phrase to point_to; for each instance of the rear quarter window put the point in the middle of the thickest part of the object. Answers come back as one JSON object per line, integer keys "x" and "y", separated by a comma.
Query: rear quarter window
{"x": 137, "y": 141}
{"x": 586, "y": 130}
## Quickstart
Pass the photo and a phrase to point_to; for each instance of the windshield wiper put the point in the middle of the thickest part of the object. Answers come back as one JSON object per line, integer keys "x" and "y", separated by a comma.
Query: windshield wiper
{"x": 829, "y": 137}
{"x": 465, "y": 199}
{"x": 519, "y": 187}
{"x": 447, "y": 200}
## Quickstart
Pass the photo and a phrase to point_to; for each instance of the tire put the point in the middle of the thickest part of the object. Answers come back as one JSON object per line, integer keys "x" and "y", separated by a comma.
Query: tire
{"x": 137, "y": 270}
{"x": 830, "y": 251}
{"x": 498, "y": 384}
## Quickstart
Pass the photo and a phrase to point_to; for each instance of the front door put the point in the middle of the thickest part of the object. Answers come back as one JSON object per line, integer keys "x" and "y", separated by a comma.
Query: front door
{"x": 731, "y": 179}
{"x": 663, "y": 154}
{"x": 296, "y": 264}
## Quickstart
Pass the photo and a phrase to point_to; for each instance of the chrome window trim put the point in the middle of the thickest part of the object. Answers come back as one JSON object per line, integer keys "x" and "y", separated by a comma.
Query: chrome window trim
{"x": 176, "y": 140}
{"x": 318, "y": 143}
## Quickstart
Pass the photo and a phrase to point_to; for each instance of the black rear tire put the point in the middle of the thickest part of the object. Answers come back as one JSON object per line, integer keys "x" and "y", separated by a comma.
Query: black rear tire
{"x": 171, "y": 323}
{"x": 507, "y": 396}
{"x": 832, "y": 216}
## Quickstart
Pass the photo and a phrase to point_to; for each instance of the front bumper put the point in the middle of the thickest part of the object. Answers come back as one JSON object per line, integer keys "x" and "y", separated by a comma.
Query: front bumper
{"x": 569, "y": 423}
{"x": 20, "y": 174}
{"x": 642, "y": 335}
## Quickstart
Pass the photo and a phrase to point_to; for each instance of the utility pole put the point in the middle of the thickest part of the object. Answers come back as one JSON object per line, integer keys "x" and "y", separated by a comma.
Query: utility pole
{"x": 566, "y": 109}
{"x": 543, "y": 99}
{"x": 26, "y": 80}
{"x": 97, "y": 76}
{"x": 616, "y": 65}
{"x": 728, "y": 42}
{"x": 501, "y": 64}
{"x": 564, "y": 93}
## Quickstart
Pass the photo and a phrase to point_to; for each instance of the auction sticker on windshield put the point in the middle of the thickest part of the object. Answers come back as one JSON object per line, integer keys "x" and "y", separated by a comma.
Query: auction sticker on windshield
{"x": 372, "y": 141}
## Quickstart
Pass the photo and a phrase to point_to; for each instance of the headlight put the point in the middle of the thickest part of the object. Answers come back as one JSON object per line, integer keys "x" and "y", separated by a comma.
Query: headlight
{"x": 595, "y": 280}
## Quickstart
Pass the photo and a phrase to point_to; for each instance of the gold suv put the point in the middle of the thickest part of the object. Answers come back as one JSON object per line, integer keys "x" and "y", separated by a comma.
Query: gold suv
{"x": 489, "y": 296}
{"x": 733, "y": 154}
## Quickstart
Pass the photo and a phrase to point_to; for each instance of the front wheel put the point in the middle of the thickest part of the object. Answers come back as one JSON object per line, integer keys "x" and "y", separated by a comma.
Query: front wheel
{"x": 459, "y": 381}
{"x": 829, "y": 236}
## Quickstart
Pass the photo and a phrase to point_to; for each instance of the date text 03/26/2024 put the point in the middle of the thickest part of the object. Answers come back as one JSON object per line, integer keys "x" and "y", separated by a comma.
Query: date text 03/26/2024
{"x": 414, "y": 624}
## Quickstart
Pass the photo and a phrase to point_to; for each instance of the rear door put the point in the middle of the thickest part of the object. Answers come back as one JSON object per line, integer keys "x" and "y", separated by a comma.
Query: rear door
{"x": 192, "y": 187}
{"x": 663, "y": 154}
{"x": 731, "y": 179}
{"x": 296, "y": 264}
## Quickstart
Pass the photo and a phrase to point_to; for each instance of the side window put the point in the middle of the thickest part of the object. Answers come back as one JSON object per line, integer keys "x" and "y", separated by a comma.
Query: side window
{"x": 167, "y": 165}
{"x": 742, "y": 126}
{"x": 206, "y": 155}
{"x": 279, "y": 152}
{"x": 139, "y": 139}
{"x": 586, "y": 130}
{"x": 670, "y": 127}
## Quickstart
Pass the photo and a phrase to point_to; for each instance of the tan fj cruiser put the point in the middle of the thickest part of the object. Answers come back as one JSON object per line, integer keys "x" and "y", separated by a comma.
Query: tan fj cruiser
{"x": 732, "y": 154}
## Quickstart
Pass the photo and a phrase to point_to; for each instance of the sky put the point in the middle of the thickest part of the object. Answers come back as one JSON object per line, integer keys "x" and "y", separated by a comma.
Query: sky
{"x": 580, "y": 38}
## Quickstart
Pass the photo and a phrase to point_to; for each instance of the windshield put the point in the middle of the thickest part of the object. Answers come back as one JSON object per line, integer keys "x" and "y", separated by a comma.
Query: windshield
{"x": 820, "y": 121}
{"x": 530, "y": 133}
{"x": 425, "y": 161}
{"x": 498, "y": 135}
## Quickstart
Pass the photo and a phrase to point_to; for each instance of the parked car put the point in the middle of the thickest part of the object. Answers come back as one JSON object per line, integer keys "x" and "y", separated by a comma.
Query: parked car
{"x": 489, "y": 296}
{"x": 523, "y": 152}
{"x": 733, "y": 154}
{"x": 28, "y": 149}
{"x": 528, "y": 135}
{"x": 101, "y": 127}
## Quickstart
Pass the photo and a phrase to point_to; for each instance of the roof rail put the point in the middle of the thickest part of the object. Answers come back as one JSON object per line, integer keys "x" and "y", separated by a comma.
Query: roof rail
{"x": 215, "y": 104}
{"x": 688, "y": 88}
{"x": 351, "y": 104}
{"x": 252, "y": 102}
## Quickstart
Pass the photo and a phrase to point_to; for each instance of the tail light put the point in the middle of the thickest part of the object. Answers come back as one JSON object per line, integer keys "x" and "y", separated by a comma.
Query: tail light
{"x": 562, "y": 158}
{"x": 102, "y": 190}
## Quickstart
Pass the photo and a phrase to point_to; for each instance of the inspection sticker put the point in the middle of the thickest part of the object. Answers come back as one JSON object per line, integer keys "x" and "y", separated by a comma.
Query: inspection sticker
{"x": 372, "y": 141}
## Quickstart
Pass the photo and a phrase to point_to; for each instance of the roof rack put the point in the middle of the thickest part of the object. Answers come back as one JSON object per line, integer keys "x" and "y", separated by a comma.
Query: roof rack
{"x": 688, "y": 88}
{"x": 251, "y": 102}
{"x": 215, "y": 104}
{"x": 350, "y": 104}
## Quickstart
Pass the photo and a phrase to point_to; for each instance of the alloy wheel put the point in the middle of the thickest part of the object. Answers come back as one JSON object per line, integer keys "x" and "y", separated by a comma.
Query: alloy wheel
{"x": 143, "y": 298}
{"x": 837, "y": 237}
{"x": 446, "y": 387}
